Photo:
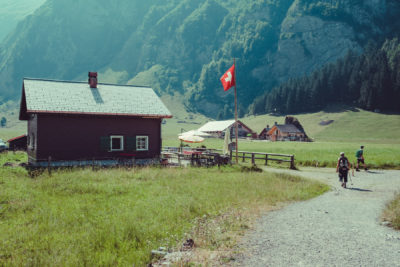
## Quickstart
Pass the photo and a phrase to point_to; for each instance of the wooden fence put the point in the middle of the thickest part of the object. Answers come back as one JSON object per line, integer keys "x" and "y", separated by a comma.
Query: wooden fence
{"x": 243, "y": 155}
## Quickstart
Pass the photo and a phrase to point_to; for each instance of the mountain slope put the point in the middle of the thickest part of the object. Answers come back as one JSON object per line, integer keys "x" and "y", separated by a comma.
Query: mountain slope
{"x": 12, "y": 11}
{"x": 185, "y": 46}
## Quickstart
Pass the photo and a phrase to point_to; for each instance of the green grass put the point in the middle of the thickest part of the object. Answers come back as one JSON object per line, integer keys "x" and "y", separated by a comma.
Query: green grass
{"x": 392, "y": 212}
{"x": 17, "y": 157}
{"x": 117, "y": 216}
{"x": 14, "y": 127}
{"x": 322, "y": 154}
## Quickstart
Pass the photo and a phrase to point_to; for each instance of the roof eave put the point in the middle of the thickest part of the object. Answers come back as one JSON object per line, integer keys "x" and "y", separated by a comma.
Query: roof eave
{"x": 149, "y": 116}
{"x": 23, "y": 114}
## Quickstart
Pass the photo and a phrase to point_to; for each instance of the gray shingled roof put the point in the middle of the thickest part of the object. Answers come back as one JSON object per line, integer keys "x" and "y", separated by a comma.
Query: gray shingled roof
{"x": 48, "y": 96}
{"x": 288, "y": 128}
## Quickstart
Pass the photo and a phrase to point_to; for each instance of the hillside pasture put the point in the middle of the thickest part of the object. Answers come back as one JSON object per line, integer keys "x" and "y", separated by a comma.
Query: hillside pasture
{"x": 117, "y": 216}
{"x": 349, "y": 125}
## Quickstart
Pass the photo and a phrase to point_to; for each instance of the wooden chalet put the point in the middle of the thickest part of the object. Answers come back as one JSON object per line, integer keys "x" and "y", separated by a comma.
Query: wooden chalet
{"x": 285, "y": 132}
{"x": 218, "y": 128}
{"x": 72, "y": 123}
{"x": 264, "y": 133}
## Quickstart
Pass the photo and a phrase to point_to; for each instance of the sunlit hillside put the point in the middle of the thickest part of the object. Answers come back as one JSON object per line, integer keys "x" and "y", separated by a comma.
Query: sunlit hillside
{"x": 349, "y": 125}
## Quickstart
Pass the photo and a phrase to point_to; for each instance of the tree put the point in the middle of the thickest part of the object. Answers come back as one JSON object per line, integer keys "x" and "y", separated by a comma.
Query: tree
{"x": 3, "y": 122}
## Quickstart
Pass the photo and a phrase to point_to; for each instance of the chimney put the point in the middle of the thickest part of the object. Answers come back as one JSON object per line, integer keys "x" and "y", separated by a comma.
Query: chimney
{"x": 93, "y": 79}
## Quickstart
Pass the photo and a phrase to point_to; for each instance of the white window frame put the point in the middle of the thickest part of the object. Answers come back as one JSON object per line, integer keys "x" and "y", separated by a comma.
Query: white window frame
{"x": 117, "y": 137}
{"x": 146, "y": 143}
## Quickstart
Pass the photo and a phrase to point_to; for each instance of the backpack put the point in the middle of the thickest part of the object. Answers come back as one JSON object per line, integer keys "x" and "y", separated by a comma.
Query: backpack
{"x": 359, "y": 153}
{"x": 343, "y": 163}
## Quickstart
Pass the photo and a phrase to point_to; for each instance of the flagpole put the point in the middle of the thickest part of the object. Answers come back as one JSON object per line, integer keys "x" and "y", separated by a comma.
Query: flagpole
{"x": 236, "y": 128}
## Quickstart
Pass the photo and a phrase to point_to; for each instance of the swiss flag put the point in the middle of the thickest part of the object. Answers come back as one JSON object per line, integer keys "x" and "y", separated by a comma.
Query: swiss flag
{"x": 228, "y": 79}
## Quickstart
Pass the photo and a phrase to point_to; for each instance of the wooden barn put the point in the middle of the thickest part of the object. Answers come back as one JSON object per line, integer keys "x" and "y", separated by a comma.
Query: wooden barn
{"x": 18, "y": 143}
{"x": 218, "y": 128}
{"x": 285, "y": 132}
{"x": 78, "y": 123}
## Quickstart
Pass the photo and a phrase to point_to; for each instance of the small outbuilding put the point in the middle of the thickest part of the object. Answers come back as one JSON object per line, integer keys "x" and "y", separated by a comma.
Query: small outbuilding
{"x": 18, "y": 143}
{"x": 78, "y": 123}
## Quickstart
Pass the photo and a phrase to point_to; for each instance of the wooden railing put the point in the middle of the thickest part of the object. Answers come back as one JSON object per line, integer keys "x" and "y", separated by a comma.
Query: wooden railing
{"x": 243, "y": 155}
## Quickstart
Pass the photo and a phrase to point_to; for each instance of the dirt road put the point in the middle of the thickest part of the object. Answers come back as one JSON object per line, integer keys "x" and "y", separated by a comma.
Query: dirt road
{"x": 339, "y": 228}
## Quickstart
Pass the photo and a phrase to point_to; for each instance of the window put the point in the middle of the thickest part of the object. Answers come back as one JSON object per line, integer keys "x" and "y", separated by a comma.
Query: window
{"x": 117, "y": 143}
{"x": 142, "y": 143}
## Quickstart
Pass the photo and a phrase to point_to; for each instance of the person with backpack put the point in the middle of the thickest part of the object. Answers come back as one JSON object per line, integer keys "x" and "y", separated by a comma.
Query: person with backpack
{"x": 360, "y": 158}
{"x": 343, "y": 166}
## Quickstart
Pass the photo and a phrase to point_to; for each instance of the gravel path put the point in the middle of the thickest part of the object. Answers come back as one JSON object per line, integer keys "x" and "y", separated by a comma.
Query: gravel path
{"x": 339, "y": 228}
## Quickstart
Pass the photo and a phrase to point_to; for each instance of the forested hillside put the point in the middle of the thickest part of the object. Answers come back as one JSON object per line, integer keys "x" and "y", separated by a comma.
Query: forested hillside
{"x": 370, "y": 81}
{"x": 184, "y": 46}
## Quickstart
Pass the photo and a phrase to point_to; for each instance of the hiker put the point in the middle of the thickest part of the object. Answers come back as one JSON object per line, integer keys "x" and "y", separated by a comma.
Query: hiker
{"x": 343, "y": 166}
{"x": 360, "y": 158}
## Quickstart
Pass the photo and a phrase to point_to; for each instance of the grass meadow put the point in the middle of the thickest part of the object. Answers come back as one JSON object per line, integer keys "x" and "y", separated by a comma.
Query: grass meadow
{"x": 117, "y": 216}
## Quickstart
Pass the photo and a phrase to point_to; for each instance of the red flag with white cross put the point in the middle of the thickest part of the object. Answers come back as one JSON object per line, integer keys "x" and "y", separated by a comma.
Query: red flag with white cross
{"x": 228, "y": 79}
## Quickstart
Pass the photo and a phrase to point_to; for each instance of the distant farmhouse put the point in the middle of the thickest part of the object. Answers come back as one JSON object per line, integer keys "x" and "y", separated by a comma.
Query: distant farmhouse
{"x": 80, "y": 123}
{"x": 218, "y": 128}
{"x": 290, "y": 131}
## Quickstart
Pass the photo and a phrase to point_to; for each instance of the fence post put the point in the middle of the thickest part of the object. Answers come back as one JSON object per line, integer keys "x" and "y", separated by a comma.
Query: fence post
{"x": 179, "y": 158}
{"x": 252, "y": 159}
{"x": 243, "y": 156}
{"x": 266, "y": 159}
{"x": 292, "y": 162}
{"x": 230, "y": 155}
{"x": 49, "y": 165}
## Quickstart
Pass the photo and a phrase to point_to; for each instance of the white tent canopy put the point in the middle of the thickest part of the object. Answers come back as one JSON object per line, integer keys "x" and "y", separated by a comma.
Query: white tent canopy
{"x": 216, "y": 126}
{"x": 194, "y": 132}
{"x": 191, "y": 138}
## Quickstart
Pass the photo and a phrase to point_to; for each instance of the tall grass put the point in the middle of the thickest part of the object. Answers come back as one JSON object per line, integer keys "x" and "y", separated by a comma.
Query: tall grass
{"x": 392, "y": 212}
{"x": 13, "y": 157}
{"x": 117, "y": 216}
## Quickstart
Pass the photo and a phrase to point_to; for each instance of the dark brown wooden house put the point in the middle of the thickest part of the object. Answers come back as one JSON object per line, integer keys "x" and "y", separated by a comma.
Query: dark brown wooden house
{"x": 18, "y": 143}
{"x": 78, "y": 123}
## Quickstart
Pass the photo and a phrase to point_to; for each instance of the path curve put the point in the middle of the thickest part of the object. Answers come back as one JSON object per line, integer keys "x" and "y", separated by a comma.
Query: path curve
{"x": 340, "y": 228}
